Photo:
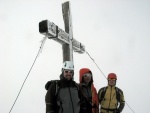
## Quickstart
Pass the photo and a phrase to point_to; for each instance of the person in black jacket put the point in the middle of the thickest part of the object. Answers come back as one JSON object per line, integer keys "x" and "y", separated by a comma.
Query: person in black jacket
{"x": 68, "y": 98}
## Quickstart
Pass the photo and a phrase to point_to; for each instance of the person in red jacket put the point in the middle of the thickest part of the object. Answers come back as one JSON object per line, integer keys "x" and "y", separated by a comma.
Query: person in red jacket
{"x": 88, "y": 90}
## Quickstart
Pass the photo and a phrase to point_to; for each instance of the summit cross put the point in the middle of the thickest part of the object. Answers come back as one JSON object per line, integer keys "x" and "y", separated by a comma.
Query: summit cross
{"x": 52, "y": 31}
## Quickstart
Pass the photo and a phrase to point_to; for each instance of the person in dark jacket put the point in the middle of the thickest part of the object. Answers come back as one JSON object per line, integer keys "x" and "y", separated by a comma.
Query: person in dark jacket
{"x": 111, "y": 98}
{"x": 88, "y": 90}
{"x": 68, "y": 98}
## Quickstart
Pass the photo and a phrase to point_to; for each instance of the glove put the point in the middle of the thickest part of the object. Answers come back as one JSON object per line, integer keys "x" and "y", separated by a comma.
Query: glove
{"x": 117, "y": 111}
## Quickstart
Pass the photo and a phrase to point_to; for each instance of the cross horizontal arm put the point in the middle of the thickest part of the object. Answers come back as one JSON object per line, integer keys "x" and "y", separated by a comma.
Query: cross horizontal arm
{"x": 52, "y": 31}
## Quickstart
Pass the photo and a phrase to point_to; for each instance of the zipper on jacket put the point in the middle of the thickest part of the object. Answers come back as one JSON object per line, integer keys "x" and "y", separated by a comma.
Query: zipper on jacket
{"x": 110, "y": 97}
{"x": 71, "y": 98}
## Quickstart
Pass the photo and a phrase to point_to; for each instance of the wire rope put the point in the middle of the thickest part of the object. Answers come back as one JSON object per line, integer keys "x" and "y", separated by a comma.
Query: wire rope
{"x": 39, "y": 51}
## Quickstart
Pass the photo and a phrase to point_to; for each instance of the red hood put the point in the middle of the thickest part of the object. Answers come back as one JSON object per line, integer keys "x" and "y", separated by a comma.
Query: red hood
{"x": 93, "y": 89}
{"x": 82, "y": 72}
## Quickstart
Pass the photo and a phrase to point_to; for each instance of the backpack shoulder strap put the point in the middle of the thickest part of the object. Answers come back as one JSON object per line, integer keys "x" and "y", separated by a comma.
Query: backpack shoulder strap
{"x": 118, "y": 93}
{"x": 57, "y": 82}
{"x": 102, "y": 93}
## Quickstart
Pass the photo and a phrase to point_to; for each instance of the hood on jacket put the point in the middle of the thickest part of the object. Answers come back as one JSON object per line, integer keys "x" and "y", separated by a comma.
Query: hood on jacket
{"x": 82, "y": 72}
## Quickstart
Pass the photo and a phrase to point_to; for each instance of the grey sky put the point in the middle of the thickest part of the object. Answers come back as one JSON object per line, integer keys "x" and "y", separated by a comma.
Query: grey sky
{"x": 116, "y": 33}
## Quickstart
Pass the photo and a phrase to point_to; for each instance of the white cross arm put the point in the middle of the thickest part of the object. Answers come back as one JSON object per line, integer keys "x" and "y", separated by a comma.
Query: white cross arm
{"x": 52, "y": 31}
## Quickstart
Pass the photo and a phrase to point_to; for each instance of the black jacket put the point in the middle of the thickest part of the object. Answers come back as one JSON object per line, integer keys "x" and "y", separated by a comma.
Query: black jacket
{"x": 67, "y": 100}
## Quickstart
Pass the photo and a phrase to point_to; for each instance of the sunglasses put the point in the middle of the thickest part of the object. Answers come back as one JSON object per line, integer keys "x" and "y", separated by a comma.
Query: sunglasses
{"x": 66, "y": 71}
{"x": 113, "y": 79}
{"x": 87, "y": 75}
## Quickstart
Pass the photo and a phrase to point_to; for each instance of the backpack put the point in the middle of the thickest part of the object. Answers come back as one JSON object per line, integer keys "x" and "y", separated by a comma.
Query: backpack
{"x": 57, "y": 82}
{"x": 118, "y": 92}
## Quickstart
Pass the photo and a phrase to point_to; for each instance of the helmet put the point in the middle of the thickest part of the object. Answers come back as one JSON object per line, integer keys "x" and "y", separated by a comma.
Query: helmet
{"x": 112, "y": 76}
{"x": 68, "y": 65}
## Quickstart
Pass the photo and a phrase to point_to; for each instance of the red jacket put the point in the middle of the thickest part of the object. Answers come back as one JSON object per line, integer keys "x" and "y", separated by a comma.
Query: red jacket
{"x": 93, "y": 89}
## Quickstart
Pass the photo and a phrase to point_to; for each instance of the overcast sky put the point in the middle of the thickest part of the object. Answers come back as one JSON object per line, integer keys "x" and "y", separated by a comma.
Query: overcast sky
{"x": 116, "y": 33}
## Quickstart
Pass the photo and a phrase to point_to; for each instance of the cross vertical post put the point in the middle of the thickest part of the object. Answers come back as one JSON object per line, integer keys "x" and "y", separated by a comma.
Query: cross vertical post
{"x": 67, "y": 49}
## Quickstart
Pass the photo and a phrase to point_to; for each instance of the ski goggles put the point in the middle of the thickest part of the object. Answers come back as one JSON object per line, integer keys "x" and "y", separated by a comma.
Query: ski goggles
{"x": 87, "y": 75}
{"x": 68, "y": 71}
